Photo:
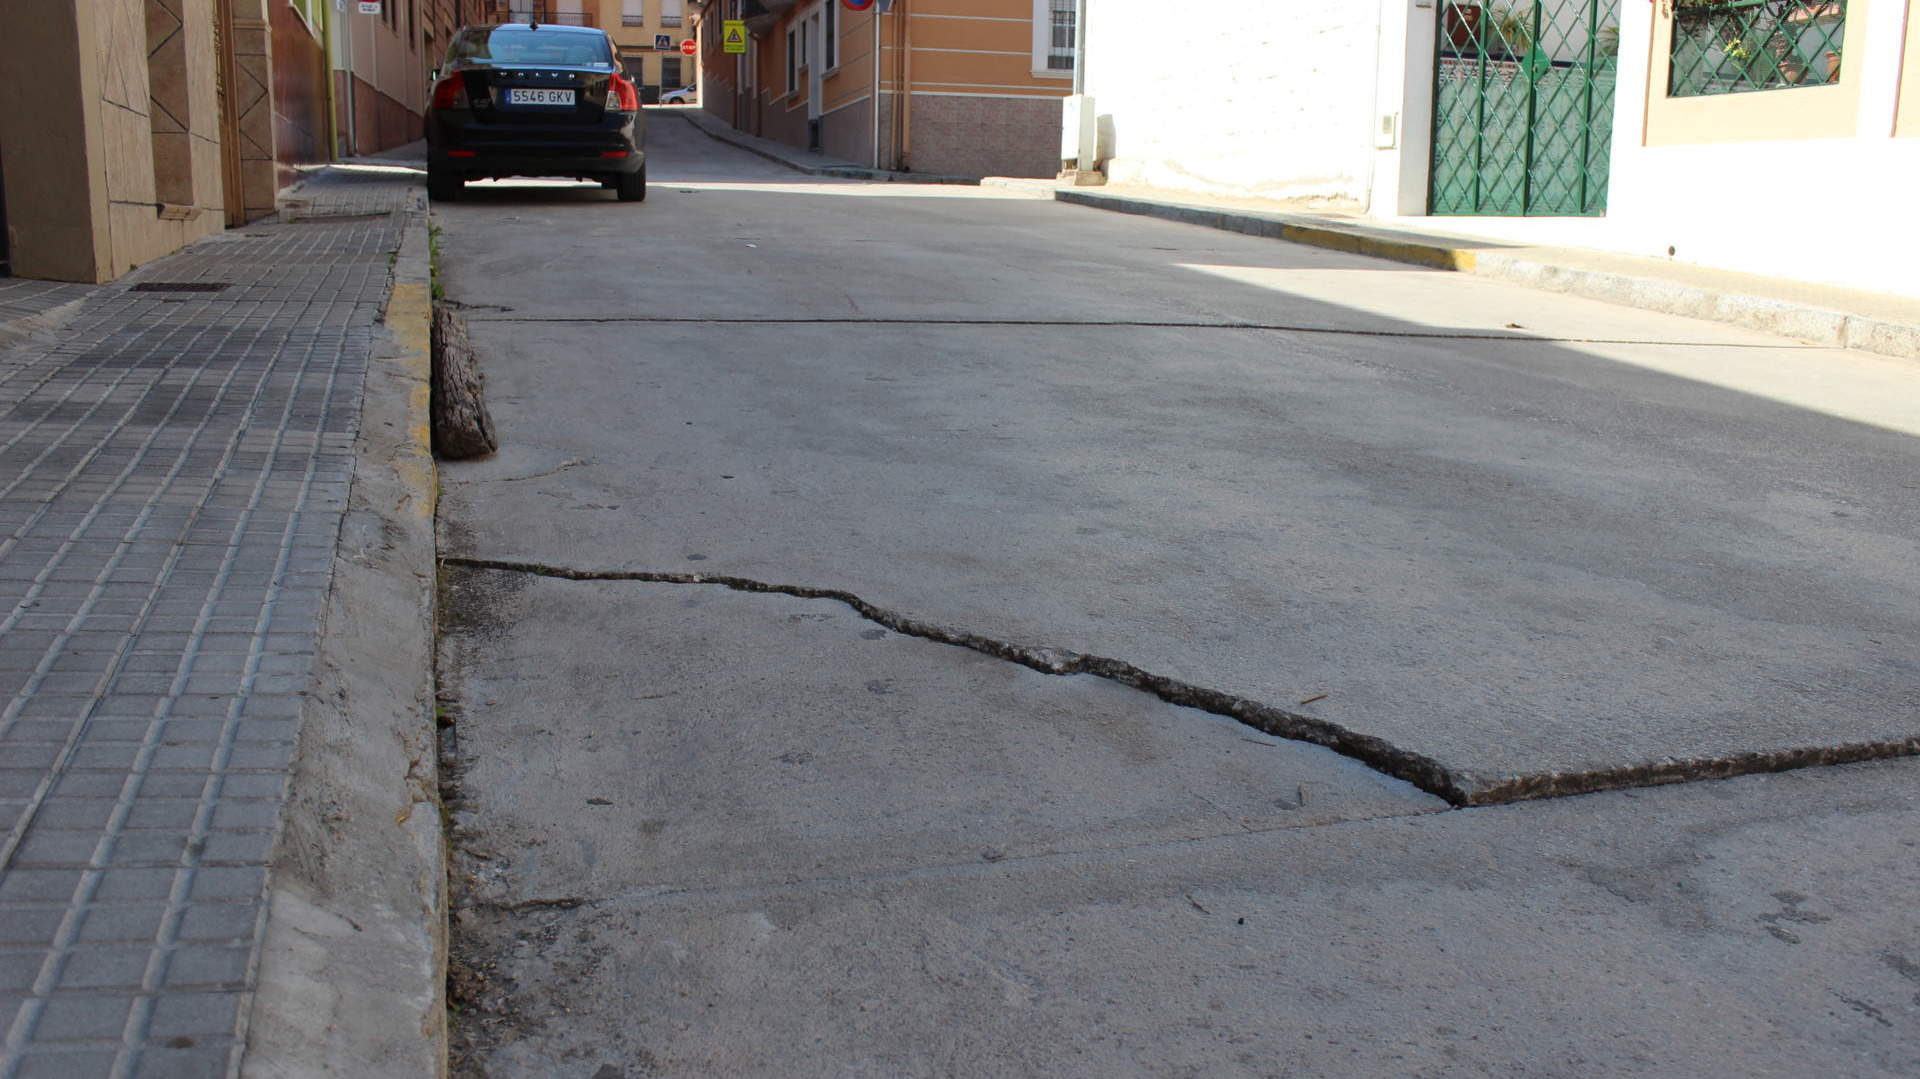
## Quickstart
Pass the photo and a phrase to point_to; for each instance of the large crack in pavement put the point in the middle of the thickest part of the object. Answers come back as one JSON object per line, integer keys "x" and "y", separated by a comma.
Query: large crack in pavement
{"x": 1458, "y": 787}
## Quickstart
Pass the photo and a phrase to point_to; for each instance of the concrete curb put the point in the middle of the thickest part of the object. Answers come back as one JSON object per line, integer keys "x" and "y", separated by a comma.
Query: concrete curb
{"x": 26, "y": 328}
{"x": 353, "y": 966}
{"x": 780, "y": 154}
{"x": 1818, "y": 325}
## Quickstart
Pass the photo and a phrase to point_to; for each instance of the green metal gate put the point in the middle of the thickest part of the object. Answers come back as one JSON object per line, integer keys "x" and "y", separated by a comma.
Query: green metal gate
{"x": 1523, "y": 107}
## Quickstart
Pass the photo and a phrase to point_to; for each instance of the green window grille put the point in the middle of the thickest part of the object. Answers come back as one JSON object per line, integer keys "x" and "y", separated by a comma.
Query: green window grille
{"x": 1523, "y": 107}
{"x": 1738, "y": 46}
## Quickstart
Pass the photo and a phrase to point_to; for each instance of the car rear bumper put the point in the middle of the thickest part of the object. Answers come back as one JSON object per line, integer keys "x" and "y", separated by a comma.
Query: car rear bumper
{"x": 474, "y": 150}
{"x": 545, "y": 162}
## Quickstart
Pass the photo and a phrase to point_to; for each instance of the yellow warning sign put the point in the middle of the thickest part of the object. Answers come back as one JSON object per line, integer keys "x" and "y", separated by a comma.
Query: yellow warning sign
{"x": 734, "y": 36}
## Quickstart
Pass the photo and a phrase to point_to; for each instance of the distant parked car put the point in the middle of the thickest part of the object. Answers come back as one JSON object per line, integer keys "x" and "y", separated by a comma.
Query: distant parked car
{"x": 525, "y": 100}
{"x": 686, "y": 95}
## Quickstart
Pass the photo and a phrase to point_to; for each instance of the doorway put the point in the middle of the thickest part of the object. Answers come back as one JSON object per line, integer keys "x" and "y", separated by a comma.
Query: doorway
{"x": 1523, "y": 107}
{"x": 6, "y": 256}
{"x": 816, "y": 77}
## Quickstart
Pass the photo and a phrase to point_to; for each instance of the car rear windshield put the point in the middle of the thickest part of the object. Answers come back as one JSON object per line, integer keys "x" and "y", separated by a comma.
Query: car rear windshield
{"x": 522, "y": 45}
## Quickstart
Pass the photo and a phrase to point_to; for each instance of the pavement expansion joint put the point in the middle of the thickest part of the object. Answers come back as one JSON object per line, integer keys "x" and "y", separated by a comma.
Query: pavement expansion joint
{"x": 1149, "y": 324}
{"x": 1460, "y": 788}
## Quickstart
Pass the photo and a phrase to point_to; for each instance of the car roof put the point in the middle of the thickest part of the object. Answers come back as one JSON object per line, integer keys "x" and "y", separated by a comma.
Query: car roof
{"x": 545, "y": 27}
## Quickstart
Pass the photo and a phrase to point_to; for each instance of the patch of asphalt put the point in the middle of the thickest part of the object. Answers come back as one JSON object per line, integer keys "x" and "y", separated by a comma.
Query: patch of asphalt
{"x": 1459, "y": 787}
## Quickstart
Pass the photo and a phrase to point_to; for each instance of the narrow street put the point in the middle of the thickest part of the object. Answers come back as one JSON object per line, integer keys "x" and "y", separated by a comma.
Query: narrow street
{"x": 930, "y": 630}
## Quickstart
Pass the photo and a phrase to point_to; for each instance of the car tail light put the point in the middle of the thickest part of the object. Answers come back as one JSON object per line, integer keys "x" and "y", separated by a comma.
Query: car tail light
{"x": 450, "y": 93}
{"x": 622, "y": 95}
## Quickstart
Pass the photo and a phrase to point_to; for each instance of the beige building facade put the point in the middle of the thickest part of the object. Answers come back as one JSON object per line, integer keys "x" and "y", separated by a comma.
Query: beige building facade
{"x": 131, "y": 128}
{"x": 648, "y": 34}
{"x": 965, "y": 87}
{"x": 111, "y": 133}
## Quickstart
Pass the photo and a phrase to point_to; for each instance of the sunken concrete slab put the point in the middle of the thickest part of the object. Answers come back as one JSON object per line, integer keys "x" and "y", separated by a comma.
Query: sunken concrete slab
{"x": 1730, "y": 928}
{"x": 614, "y": 737}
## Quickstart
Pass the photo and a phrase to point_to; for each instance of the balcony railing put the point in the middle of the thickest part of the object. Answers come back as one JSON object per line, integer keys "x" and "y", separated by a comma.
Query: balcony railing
{"x": 538, "y": 11}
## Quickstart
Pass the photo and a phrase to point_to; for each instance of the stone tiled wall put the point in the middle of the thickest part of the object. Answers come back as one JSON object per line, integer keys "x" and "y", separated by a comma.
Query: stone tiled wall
{"x": 118, "y": 101}
{"x": 161, "y": 133}
{"x": 985, "y": 135}
{"x": 252, "y": 100}
{"x": 50, "y": 103}
{"x": 170, "y": 101}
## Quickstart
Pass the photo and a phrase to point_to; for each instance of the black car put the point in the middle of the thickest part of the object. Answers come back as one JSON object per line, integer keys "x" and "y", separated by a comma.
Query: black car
{"x": 520, "y": 99}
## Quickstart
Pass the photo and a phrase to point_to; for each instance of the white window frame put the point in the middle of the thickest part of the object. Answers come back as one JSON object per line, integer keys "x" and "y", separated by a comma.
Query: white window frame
{"x": 1043, "y": 42}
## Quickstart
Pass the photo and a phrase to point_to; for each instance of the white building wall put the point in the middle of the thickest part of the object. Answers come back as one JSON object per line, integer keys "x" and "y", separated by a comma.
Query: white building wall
{"x": 1820, "y": 210}
{"x": 1267, "y": 99}
{"x": 1811, "y": 209}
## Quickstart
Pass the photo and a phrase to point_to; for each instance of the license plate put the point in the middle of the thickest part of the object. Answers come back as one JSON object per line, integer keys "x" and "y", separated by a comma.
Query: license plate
{"x": 521, "y": 96}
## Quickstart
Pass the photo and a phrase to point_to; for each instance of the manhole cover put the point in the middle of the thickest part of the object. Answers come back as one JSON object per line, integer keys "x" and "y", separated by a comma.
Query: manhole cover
{"x": 178, "y": 286}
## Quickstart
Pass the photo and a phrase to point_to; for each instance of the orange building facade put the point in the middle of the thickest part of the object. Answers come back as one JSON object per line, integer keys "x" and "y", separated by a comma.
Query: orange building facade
{"x": 964, "y": 87}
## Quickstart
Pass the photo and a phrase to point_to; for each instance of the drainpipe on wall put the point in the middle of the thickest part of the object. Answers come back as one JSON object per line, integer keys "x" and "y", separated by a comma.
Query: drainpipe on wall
{"x": 876, "y": 88}
{"x": 905, "y": 105}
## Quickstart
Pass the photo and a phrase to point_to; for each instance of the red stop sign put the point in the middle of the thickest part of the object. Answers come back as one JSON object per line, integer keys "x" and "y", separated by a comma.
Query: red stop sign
{"x": 689, "y": 46}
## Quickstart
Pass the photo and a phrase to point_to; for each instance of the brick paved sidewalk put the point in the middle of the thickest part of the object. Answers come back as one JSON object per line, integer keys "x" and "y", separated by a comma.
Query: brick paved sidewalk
{"x": 174, "y": 462}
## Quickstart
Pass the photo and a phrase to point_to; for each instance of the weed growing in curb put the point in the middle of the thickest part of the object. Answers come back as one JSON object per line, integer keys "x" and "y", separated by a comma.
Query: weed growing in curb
{"x": 433, "y": 260}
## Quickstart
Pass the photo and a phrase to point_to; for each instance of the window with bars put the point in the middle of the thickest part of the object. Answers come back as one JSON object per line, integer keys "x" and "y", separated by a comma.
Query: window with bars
{"x": 672, "y": 12}
{"x": 1060, "y": 44}
{"x": 1738, "y": 46}
{"x": 670, "y": 73}
{"x": 633, "y": 12}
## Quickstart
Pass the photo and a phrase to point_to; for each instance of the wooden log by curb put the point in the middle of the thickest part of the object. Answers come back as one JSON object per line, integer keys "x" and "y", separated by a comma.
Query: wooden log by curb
{"x": 461, "y": 425}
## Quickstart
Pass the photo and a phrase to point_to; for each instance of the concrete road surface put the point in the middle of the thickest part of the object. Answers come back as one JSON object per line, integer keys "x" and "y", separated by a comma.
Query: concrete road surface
{"x": 811, "y": 491}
